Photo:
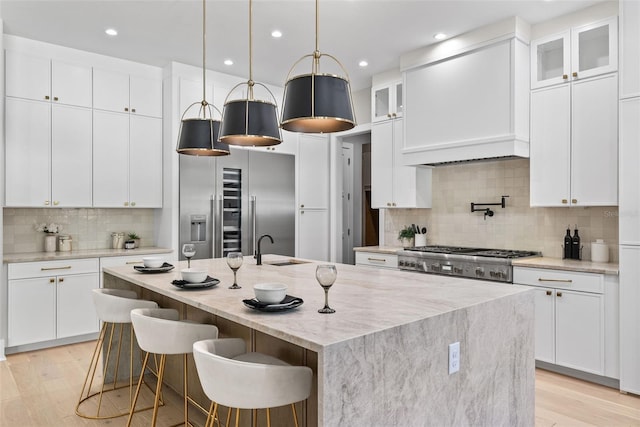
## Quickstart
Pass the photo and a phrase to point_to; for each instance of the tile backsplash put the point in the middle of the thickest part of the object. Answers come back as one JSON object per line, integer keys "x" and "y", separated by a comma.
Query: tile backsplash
{"x": 89, "y": 228}
{"x": 518, "y": 226}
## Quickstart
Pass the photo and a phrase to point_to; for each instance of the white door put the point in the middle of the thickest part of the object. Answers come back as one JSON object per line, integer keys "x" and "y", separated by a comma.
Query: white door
{"x": 145, "y": 96}
{"x": 110, "y": 159}
{"x": 347, "y": 203}
{"x": 313, "y": 234}
{"x": 76, "y": 314}
{"x": 594, "y": 49}
{"x": 579, "y": 331}
{"x": 71, "y": 84}
{"x": 313, "y": 170}
{"x": 545, "y": 325}
{"x": 32, "y": 314}
{"x": 404, "y": 177}
{"x": 594, "y": 142}
{"x": 145, "y": 162}
{"x": 550, "y": 149}
{"x": 629, "y": 48}
{"x": 629, "y": 319}
{"x": 27, "y": 76}
{"x": 629, "y": 210}
{"x": 71, "y": 156}
{"x": 382, "y": 164}
{"x": 550, "y": 60}
{"x": 110, "y": 90}
{"x": 28, "y": 145}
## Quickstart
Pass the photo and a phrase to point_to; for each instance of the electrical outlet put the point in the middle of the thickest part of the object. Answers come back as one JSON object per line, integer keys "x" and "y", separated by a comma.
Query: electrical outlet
{"x": 454, "y": 357}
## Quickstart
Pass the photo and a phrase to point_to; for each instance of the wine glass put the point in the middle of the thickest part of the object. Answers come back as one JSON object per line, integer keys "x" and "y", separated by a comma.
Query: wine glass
{"x": 326, "y": 275}
{"x": 234, "y": 260}
{"x": 188, "y": 250}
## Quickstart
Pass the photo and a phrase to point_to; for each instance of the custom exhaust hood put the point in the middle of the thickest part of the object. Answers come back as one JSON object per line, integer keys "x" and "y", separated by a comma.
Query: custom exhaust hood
{"x": 467, "y": 98}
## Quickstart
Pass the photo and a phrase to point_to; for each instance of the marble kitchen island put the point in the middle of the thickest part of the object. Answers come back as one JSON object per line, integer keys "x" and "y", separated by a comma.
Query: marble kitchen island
{"x": 382, "y": 358}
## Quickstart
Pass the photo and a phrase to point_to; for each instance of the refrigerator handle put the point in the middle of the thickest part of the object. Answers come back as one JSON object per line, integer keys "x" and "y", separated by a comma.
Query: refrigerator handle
{"x": 216, "y": 230}
{"x": 252, "y": 207}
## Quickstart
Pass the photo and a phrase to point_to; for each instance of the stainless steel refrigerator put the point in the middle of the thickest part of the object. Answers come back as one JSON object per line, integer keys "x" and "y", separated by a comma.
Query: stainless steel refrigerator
{"x": 227, "y": 203}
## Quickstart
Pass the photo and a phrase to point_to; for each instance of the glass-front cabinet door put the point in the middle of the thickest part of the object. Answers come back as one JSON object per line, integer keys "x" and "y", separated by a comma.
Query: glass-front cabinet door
{"x": 386, "y": 102}
{"x": 595, "y": 49}
{"x": 550, "y": 60}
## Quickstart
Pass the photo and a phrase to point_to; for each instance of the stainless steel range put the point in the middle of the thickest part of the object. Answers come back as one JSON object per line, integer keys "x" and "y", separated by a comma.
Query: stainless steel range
{"x": 474, "y": 263}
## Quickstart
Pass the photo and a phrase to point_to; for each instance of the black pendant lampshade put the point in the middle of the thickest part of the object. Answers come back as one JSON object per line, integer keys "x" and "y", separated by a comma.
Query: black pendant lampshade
{"x": 317, "y": 103}
{"x": 199, "y": 137}
{"x": 250, "y": 123}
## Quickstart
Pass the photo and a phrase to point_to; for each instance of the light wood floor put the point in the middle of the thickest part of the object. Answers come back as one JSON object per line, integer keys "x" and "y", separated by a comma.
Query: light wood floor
{"x": 41, "y": 388}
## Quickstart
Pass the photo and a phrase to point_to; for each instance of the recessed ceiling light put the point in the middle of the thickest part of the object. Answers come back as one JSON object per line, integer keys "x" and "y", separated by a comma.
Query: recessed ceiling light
{"x": 228, "y": 62}
{"x": 440, "y": 36}
{"x": 276, "y": 34}
{"x": 111, "y": 32}
{"x": 363, "y": 63}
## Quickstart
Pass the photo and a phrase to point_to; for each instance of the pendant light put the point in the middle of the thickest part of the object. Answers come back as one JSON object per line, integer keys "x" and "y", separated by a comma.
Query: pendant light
{"x": 316, "y": 102}
{"x": 198, "y": 135}
{"x": 249, "y": 121}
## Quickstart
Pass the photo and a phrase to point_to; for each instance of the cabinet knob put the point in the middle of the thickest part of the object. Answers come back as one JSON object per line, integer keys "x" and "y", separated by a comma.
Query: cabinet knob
{"x": 46, "y": 203}
{"x": 564, "y": 201}
{"x": 548, "y": 292}
{"x": 394, "y": 115}
{"x": 574, "y": 74}
{"x": 565, "y": 77}
{"x": 133, "y": 203}
{"x": 393, "y": 204}
{"x": 133, "y": 110}
{"x": 126, "y": 108}
{"x": 388, "y": 115}
{"x": 55, "y": 98}
{"x": 52, "y": 280}
{"x": 126, "y": 203}
{"x": 46, "y": 97}
{"x": 301, "y": 212}
{"x": 302, "y": 206}
{"x": 388, "y": 204}
{"x": 574, "y": 201}
{"x": 559, "y": 294}
{"x": 61, "y": 279}
{"x": 56, "y": 203}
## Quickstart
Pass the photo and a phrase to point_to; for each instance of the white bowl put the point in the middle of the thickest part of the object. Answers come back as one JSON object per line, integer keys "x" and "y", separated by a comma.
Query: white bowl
{"x": 270, "y": 293}
{"x": 153, "y": 261}
{"x": 192, "y": 275}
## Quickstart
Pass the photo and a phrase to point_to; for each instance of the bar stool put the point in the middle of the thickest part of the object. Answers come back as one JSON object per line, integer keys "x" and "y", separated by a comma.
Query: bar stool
{"x": 113, "y": 307}
{"x": 160, "y": 332}
{"x": 236, "y": 379}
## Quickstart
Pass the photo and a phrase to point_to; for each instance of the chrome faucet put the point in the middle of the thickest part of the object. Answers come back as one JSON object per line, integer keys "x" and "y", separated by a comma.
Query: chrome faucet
{"x": 258, "y": 254}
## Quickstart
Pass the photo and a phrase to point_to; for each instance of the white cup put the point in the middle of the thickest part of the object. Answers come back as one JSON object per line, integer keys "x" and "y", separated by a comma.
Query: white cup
{"x": 420, "y": 240}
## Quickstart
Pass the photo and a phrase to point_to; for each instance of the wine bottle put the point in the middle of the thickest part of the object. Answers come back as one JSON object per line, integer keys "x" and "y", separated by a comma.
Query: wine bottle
{"x": 575, "y": 244}
{"x": 568, "y": 244}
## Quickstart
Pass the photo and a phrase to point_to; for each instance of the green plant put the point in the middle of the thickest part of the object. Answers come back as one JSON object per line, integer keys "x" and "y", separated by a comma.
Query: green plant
{"x": 406, "y": 233}
{"x": 133, "y": 236}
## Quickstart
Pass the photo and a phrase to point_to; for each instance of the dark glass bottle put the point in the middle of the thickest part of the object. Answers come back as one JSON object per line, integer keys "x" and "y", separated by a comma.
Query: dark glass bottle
{"x": 575, "y": 244}
{"x": 568, "y": 244}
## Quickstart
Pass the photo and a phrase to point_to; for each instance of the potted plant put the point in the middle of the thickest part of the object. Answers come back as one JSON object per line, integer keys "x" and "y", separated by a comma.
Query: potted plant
{"x": 51, "y": 231}
{"x": 136, "y": 239}
{"x": 406, "y": 236}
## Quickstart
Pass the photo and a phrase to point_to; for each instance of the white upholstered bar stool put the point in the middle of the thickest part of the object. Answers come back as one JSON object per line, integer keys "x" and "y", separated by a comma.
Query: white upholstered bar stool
{"x": 234, "y": 378}
{"x": 113, "y": 307}
{"x": 159, "y": 331}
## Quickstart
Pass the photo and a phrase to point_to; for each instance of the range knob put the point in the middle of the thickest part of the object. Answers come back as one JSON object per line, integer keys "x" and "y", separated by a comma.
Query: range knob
{"x": 479, "y": 271}
{"x": 457, "y": 270}
{"x": 401, "y": 262}
{"x": 435, "y": 267}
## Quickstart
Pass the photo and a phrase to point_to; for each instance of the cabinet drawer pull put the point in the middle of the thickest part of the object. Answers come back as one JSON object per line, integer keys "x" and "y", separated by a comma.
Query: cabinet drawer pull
{"x": 66, "y": 267}
{"x": 52, "y": 280}
{"x": 555, "y": 280}
{"x": 134, "y": 262}
{"x": 559, "y": 294}
{"x": 548, "y": 292}
{"x": 377, "y": 259}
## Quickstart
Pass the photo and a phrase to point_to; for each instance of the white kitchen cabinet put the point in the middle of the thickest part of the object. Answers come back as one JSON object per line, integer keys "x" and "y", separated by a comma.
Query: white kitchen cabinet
{"x": 576, "y": 53}
{"x": 127, "y": 165}
{"x": 124, "y": 93}
{"x": 386, "y": 101}
{"x": 630, "y": 319}
{"x": 51, "y": 300}
{"x": 313, "y": 234}
{"x": 394, "y": 185}
{"x": 42, "y": 79}
{"x": 570, "y": 318}
{"x": 629, "y": 48}
{"x": 376, "y": 259}
{"x": 629, "y": 209}
{"x": 48, "y": 148}
{"x": 574, "y": 144}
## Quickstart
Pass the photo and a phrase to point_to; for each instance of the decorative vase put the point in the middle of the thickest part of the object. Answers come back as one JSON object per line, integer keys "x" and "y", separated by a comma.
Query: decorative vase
{"x": 50, "y": 243}
{"x": 136, "y": 243}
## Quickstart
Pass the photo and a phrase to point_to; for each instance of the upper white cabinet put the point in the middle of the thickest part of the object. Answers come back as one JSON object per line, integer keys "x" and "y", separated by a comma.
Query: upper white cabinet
{"x": 629, "y": 211}
{"x": 386, "y": 101}
{"x": 127, "y": 160}
{"x": 42, "y": 79}
{"x": 578, "y": 53}
{"x": 574, "y": 143}
{"x": 124, "y": 93}
{"x": 394, "y": 185}
{"x": 629, "y": 48}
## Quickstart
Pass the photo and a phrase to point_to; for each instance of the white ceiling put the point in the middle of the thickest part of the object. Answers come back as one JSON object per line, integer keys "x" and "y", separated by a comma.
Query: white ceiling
{"x": 159, "y": 31}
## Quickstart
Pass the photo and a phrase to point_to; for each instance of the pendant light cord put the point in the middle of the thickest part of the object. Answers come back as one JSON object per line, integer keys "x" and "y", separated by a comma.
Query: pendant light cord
{"x": 250, "y": 83}
{"x": 316, "y": 53}
{"x": 204, "y": 53}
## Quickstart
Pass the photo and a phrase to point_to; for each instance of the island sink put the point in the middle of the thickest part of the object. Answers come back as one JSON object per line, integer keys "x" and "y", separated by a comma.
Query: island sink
{"x": 287, "y": 262}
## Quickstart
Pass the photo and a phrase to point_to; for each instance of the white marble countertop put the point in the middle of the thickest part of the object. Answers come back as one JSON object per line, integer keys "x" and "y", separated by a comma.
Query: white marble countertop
{"x": 568, "y": 265}
{"x": 88, "y": 253}
{"x": 378, "y": 249}
{"x": 366, "y": 300}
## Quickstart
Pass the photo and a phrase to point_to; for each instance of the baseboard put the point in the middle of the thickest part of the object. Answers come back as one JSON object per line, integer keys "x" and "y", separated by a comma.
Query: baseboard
{"x": 2, "y": 357}
{"x": 586, "y": 376}
{"x": 52, "y": 343}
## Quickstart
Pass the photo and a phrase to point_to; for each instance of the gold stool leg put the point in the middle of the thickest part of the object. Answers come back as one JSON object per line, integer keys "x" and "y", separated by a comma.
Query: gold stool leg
{"x": 91, "y": 371}
{"x": 268, "y": 418}
{"x": 237, "y": 417}
{"x": 163, "y": 359}
{"x": 135, "y": 396}
{"x": 295, "y": 416}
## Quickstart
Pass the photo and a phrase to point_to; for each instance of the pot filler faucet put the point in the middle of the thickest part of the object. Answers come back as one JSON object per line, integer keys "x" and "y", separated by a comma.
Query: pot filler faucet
{"x": 258, "y": 255}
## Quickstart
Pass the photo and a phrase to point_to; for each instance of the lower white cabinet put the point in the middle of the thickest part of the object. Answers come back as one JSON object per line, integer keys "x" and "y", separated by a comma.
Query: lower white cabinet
{"x": 573, "y": 315}
{"x": 376, "y": 259}
{"x": 630, "y": 319}
{"x": 51, "y": 300}
{"x": 313, "y": 234}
